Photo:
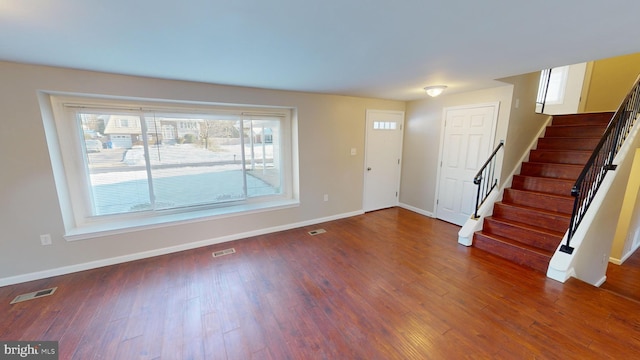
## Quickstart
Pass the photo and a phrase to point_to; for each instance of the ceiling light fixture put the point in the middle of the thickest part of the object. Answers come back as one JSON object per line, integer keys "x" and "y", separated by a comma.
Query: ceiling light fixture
{"x": 435, "y": 90}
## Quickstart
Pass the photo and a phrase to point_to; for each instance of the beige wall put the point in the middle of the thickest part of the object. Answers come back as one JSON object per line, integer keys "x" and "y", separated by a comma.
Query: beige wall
{"x": 609, "y": 82}
{"x": 524, "y": 123}
{"x": 422, "y": 141}
{"x": 518, "y": 125}
{"x": 328, "y": 127}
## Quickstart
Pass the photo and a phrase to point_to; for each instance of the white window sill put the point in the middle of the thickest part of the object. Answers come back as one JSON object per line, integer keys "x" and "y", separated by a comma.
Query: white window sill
{"x": 91, "y": 231}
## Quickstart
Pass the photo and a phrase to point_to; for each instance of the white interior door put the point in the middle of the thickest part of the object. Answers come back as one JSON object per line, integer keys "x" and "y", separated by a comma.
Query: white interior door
{"x": 383, "y": 149}
{"x": 467, "y": 140}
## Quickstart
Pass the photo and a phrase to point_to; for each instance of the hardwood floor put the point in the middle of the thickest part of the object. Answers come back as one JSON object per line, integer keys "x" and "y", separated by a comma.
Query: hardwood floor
{"x": 625, "y": 279}
{"x": 390, "y": 284}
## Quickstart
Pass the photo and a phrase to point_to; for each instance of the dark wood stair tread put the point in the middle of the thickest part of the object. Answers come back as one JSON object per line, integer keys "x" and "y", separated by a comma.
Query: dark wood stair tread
{"x": 529, "y": 223}
{"x": 545, "y": 169}
{"x": 584, "y": 118}
{"x": 514, "y": 251}
{"x": 563, "y": 151}
{"x": 572, "y": 138}
{"x": 568, "y": 143}
{"x": 543, "y": 238}
{"x": 533, "y": 216}
{"x": 536, "y": 210}
{"x": 519, "y": 244}
{"x": 578, "y": 125}
{"x": 543, "y": 184}
{"x": 547, "y": 178}
{"x": 541, "y": 200}
{"x": 559, "y": 197}
{"x": 560, "y": 156}
{"x": 554, "y": 164}
{"x": 582, "y": 130}
{"x": 527, "y": 226}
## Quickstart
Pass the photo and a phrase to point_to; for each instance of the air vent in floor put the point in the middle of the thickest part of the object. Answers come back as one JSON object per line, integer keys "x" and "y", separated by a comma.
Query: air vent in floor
{"x": 224, "y": 252}
{"x": 34, "y": 295}
{"x": 317, "y": 231}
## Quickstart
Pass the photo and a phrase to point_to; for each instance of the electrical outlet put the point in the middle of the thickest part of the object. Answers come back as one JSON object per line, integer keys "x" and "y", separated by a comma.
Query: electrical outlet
{"x": 45, "y": 239}
{"x": 326, "y": 197}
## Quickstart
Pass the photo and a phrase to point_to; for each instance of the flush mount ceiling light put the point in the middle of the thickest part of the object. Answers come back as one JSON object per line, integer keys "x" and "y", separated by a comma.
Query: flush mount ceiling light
{"x": 435, "y": 90}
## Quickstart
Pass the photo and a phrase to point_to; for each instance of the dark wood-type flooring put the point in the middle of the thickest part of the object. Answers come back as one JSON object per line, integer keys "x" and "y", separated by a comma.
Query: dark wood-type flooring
{"x": 625, "y": 279}
{"x": 390, "y": 284}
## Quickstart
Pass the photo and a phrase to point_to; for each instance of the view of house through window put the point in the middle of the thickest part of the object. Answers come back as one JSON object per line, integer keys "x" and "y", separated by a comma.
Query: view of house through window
{"x": 124, "y": 163}
{"x": 152, "y": 161}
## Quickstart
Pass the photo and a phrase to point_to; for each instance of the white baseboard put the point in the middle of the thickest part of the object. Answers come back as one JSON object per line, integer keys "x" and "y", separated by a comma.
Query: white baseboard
{"x": 416, "y": 210}
{"x": 163, "y": 251}
{"x": 615, "y": 261}
{"x": 625, "y": 257}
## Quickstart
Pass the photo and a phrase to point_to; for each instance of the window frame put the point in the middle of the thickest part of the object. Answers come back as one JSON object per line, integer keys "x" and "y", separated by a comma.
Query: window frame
{"x": 69, "y": 160}
{"x": 558, "y": 83}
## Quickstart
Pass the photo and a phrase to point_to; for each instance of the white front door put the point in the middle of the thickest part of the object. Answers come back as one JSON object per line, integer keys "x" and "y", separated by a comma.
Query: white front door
{"x": 383, "y": 149}
{"x": 467, "y": 142}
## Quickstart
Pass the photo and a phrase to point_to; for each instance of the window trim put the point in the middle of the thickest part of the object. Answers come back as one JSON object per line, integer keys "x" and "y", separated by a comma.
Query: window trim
{"x": 560, "y": 75}
{"x": 66, "y": 150}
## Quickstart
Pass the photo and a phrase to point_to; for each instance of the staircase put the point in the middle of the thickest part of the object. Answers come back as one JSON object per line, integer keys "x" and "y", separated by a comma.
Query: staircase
{"x": 528, "y": 224}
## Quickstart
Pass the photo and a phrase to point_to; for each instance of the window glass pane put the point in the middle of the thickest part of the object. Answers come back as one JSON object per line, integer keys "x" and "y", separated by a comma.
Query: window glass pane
{"x": 200, "y": 164}
{"x": 384, "y": 125}
{"x": 115, "y": 185}
{"x": 262, "y": 156}
{"x": 149, "y": 160}
{"x": 557, "y": 85}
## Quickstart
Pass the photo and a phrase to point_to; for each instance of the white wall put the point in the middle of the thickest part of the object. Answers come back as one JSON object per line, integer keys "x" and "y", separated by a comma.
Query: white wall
{"x": 594, "y": 237}
{"x": 328, "y": 127}
{"x": 627, "y": 236}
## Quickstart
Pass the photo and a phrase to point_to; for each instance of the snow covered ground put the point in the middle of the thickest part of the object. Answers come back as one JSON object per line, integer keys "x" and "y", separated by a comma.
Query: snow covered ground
{"x": 189, "y": 153}
{"x": 200, "y": 176}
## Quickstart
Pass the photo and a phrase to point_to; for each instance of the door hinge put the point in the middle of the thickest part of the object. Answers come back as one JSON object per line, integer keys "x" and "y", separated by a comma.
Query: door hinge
{"x": 398, "y": 161}
{"x": 396, "y": 194}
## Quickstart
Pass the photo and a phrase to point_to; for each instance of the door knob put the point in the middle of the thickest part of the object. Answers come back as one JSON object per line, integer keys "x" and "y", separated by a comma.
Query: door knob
{"x": 368, "y": 169}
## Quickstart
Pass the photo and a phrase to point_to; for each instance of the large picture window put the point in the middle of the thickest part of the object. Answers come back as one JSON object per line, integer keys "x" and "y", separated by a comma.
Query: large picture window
{"x": 139, "y": 160}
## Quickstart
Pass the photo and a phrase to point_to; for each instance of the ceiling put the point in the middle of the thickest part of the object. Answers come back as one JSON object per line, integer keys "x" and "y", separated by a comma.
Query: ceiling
{"x": 373, "y": 48}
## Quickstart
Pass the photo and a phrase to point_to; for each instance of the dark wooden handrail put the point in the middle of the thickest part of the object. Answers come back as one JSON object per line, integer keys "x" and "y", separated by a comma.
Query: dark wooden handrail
{"x": 487, "y": 171}
{"x": 601, "y": 160}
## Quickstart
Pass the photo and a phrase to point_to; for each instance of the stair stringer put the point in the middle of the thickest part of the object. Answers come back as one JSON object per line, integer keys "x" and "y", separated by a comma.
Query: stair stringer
{"x": 593, "y": 238}
{"x": 471, "y": 226}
